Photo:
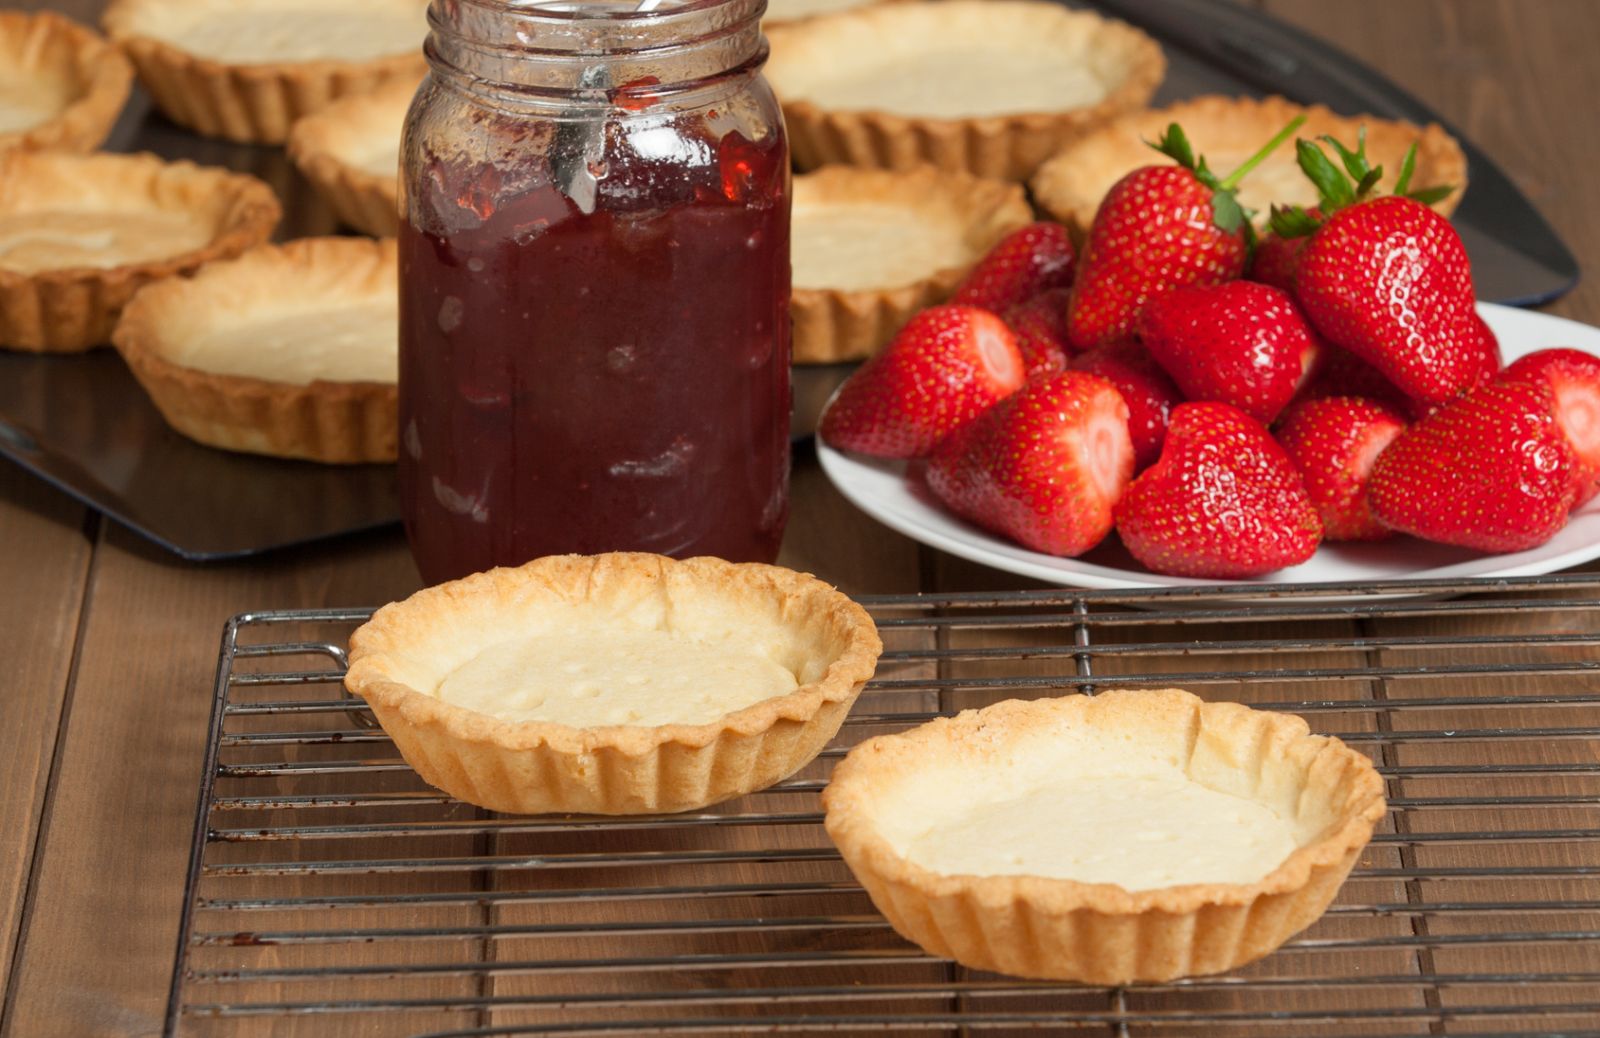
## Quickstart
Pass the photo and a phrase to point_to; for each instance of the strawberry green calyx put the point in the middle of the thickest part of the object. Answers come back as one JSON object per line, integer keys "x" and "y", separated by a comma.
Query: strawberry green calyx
{"x": 1339, "y": 188}
{"x": 1228, "y": 214}
{"x": 1425, "y": 195}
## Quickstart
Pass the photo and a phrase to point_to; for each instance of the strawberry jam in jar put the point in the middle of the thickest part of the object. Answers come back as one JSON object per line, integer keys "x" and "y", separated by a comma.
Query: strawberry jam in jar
{"x": 594, "y": 285}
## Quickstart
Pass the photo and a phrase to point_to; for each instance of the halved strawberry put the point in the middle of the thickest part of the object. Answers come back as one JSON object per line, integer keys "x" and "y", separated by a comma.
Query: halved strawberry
{"x": 1574, "y": 378}
{"x": 1043, "y": 467}
{"x": 1490, "y": 470}
{"x": 1025, "y": 262}
{"x": 944, "y": 368}
{"x": 1040, "y": 325}
{"x": 1240, "y": 343}
{"x": 1224, "y": 500}
{"x": 1148, "y": 390}
{"x": 1334, "y": 442}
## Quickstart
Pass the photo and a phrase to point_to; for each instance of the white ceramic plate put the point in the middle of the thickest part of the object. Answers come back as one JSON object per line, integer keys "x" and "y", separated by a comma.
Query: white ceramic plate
{"x": 883, "y": 490}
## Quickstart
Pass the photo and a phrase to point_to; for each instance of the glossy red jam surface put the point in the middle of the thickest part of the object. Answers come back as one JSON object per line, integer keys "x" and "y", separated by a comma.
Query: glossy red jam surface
{"x": 607, "y": 381}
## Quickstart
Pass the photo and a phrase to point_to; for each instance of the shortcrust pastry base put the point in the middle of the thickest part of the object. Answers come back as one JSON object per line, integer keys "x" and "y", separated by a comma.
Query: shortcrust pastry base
{"x": 827, "y": 642}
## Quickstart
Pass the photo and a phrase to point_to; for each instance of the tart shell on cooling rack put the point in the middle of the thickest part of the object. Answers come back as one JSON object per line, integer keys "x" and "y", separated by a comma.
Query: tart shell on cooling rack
{"x": 404, "y": 660}
{"x": 1233, "y": 828}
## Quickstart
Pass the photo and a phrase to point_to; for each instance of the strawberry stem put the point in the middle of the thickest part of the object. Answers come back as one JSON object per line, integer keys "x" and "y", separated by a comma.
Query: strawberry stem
{"x": 1232, "y": 180}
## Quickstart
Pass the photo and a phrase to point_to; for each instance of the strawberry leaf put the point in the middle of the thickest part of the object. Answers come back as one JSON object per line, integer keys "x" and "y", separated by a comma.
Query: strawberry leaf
{"x": 1175, "y": 145}
{"x": 1333, "y": 186}
{"x": 1227, "y": 213}
{"x": 1408, "y": 166}
{"x": 1430, "y": 195}
{"x": 1355, "y": 162}
{"x": 1425, "y": 195}
{"x": 1292, "y": 222}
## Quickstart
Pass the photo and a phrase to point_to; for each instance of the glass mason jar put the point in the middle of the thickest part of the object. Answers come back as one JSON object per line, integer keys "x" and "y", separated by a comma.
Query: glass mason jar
{"x": 594, "y": 286}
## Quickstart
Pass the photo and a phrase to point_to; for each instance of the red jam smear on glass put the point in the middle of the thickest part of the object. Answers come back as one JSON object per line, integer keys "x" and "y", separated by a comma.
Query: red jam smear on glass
{"x": 607, "y": 381}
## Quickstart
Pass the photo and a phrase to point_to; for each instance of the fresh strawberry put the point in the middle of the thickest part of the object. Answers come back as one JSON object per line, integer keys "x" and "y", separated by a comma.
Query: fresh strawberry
{"x": 1240, "y": 343}
{"x": 1339, "y": 372}
{"x": 1040, "y": 325}
{"x": 1159, "y": 228}
{"x": 1044, "y": 467}
{"x": 1223, "y": 501}
{"x": 1389, "y": 280}
{"x": 1334, "y": 442}
{"x": 1386, "y": 278}
{"x": 944, "y": 368}
{"x": 1147, "y": 389}
{"x": 1574, "y": 378}
{"x": 1492, "y": 470}
{"x": 1486, "y": 347}
{"x": 1276, "y": 259}
{"x": 1026, "y": 262}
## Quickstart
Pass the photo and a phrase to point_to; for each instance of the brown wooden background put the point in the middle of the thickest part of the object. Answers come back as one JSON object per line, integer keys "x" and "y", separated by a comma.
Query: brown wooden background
{"x": 107, "y": 645}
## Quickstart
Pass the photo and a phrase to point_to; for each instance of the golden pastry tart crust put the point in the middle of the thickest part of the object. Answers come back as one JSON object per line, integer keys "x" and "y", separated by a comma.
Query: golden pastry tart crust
{"x": 328, "y": 421}
{"x": 1007, "y": 146}
{"x": 1226, "y": 130}
{"x": 94, "y": 77}
{"x": 787, "y": 12}
{"x": 251, "y": 103}
{"x": 322, "y": 146}
{"x": 1100, "y": 933}
{"x": 74, "y": 308}
{"x": 840, "y": 324}
{"x": 534, "y": 767}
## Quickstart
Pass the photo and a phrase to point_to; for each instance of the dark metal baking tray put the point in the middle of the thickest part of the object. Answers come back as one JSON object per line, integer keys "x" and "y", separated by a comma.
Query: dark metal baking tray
{"x": 83, "y": 424}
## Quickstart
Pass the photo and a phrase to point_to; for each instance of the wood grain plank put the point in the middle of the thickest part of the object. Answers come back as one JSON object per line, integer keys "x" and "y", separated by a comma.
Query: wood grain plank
{"x": 44, "y": 564}
{"x": 97, "y": 954}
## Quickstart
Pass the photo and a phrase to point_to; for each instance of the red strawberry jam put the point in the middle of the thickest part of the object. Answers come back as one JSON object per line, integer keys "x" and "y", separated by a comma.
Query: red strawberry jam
{"x": 596, "y": 378}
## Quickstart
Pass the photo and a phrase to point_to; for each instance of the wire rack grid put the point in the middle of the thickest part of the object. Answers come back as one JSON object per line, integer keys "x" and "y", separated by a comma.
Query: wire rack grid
{"x": 331, "y": 891}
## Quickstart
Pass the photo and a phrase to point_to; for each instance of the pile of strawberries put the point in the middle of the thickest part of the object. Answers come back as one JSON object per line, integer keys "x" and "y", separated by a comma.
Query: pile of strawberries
{"x": 1226, "y": 404}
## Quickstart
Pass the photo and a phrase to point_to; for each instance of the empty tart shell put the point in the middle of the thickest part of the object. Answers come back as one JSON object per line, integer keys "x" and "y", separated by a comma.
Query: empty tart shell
{"x": 982, "y": 124}
{"x": 53, "y": 67}
{"x": 192, "y": 347}
{"x": 1097, "y": 932}
{"x": 350, "y": 153}
{"x": 1228, "y": 130}
{"x": 120, "y": 203}
{"x": 872, "y": 247}
{"x": 402, "y": 655}
{"x": 783, "y": 12}
{"x": 255, "y": 100}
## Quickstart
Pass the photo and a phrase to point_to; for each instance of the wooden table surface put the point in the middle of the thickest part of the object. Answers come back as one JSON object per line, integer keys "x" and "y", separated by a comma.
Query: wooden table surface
{"x": 108, "y": 645}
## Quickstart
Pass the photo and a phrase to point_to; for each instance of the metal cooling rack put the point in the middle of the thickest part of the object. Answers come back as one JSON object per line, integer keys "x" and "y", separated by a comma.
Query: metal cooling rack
{"x": 331, "y": 891}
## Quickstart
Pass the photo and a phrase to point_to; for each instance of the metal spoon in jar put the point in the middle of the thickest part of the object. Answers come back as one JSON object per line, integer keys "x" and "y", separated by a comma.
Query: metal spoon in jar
{"x": 580, "y": 139}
